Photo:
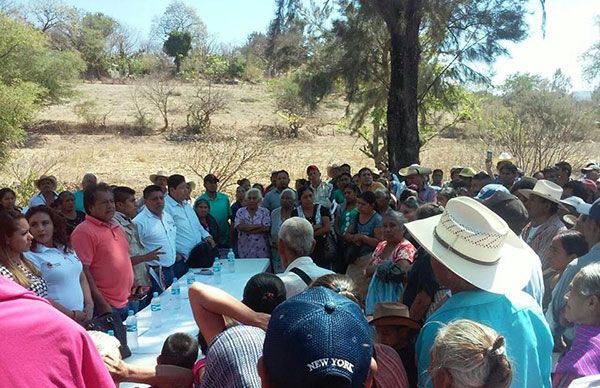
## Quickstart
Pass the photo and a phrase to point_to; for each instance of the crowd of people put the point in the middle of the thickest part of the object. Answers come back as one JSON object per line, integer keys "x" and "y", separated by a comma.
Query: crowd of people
{"x": 375, "y": 279}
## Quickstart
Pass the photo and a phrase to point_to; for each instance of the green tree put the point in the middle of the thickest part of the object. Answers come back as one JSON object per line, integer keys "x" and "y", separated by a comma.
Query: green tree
{"x": 535, "y": 121}
{"x": 180, "y": 17}
{"x": 25, "y": 55}
{"x": 178, "y": 45}
{"x": 448, "y": 35}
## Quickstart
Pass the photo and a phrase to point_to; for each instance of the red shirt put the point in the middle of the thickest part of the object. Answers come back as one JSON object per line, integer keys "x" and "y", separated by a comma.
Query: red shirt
{"x": 104, "y": 249}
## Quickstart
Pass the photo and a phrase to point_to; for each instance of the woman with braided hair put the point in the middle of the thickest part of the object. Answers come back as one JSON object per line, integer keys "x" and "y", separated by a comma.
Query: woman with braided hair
{"x": 468, "y": 354}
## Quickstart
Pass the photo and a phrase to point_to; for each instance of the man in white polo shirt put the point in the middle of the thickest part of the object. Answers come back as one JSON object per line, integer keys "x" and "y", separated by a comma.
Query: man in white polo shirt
{"x": 158, "y": 231}
{"x": 189, "y": 230}
{"x": 296, "y": 243}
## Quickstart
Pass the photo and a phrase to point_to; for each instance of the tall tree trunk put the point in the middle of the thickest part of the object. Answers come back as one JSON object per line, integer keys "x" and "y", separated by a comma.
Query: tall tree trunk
{"x": 403, "y": 20}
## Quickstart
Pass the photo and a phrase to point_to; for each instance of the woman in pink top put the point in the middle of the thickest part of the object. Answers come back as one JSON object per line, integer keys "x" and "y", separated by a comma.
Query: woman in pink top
{"x": 392, "y": 257}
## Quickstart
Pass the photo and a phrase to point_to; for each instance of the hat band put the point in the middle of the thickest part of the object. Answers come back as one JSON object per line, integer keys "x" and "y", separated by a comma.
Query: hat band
{"x": 460, "y": 254}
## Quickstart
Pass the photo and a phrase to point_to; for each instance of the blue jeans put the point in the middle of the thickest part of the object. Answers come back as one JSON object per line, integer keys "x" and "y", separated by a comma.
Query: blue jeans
{"x": 180, "y": 268}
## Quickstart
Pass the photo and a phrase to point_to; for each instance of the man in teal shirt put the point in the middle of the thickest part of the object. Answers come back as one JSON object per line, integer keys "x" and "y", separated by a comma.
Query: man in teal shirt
{"x": 219, "y": 208}
{"x": 88, "y": 179}
{"x": 485, "y": 266}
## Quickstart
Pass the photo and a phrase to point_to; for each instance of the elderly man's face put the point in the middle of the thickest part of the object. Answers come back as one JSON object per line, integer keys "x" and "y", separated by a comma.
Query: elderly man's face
{"x": 593, "y": 175}
{"x": 46, "y": 185}
{"x": 155, "y": 202}
{"x": 161, "y": 181}
{"x": 88, "y": 180}
{"x": 536, "y": 206}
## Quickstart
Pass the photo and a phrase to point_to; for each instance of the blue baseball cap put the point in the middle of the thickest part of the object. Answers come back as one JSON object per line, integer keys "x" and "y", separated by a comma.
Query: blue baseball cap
{"x": 592, "y": 211}
{"x": 318, "y": 337}
{"x": 489, "y": 190}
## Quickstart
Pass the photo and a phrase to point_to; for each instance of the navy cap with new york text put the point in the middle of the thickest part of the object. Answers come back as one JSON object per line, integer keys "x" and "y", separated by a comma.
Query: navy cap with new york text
{"x": 318, "y": 338}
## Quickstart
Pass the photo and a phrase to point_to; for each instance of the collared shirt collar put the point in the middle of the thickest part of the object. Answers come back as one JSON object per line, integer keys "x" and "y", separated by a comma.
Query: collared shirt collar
{"x": 172, "y": 202}
{"x": 302, "y": 260}
{"x": 111, "y": 224}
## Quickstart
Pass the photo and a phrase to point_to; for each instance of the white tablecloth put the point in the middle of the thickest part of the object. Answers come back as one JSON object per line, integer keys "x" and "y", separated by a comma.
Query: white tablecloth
{"x": 151, "y": 339}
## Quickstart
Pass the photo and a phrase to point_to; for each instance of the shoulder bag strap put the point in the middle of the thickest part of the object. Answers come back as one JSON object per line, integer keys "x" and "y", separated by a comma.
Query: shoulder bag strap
{"x": 302, "y": 275}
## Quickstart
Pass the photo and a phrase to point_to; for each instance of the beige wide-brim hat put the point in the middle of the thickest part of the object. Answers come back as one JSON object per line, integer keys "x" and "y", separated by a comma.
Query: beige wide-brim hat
{"x": 476, "y": 244}
{"x": 545, "y": 189}
{"x": 414, "y": 169}
{"x": 392, "y": 314}
{"x": 51, "y": 178}
{"x": 161, "y": 173}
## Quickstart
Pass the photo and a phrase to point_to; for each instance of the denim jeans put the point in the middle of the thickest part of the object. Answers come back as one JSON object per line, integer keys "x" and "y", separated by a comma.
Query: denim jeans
{"x": 180, "y": 268}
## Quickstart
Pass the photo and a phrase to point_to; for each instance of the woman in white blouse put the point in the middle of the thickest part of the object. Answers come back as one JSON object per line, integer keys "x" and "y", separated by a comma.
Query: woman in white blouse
{"x": 68, "y": 289}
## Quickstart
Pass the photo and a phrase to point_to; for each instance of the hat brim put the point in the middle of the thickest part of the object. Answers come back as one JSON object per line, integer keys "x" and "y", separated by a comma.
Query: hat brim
{"x": 46, "y": 178}
{"x": 154, "y": 176}
{"x": 510, "y": 273}
{"x": 527, "y": 192}
{"x": 395, "y": 321}
{"x": 569, "y": 219}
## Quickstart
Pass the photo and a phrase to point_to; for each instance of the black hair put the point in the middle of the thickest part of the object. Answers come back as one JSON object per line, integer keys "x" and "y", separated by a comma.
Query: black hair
{"x": 481, "y": 176}
{"x": 179, "y": 349}
{"x": 548, "y": 169}
{"x": 428, "y": 210}
{"x": 175, "y": 180}
{"x": 363, "y": 170}
{"x": 121, "y": 193}
{"x": 405, "y": 194}
{"x": 6, "y": 190}
{"x": 264, "y": 292}
{"x": 304, "y": 188}
{"x": 564, "y": 166}
{"x": 151, "y": 189}
{"x": 368, "y": 197}
{"x": 90, "y": 194}
{"x": 510, "y": 167}
{"x": 344, "y": 165}
{"x": 283, "y": 172}
{"x": 579, "y": 189}
{"x": 353, "y": 187}
{"x": 573, "y": 242}
{"x": 524, "y": 183}
{"x": 437, "y": 169}
{"x": 345, "y": 174}
{"x": 448, "y": 192}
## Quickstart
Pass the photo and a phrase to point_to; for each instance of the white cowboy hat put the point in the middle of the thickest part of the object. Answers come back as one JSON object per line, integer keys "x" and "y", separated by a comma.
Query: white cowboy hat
{"x": 50, "y": 178}
{"x": 505, "y": 157}
{"x": 476, "y": 244}
{"x": 545, "y": 189}
{"x": 161, "y": 173}
{"x": 414, "y": 169}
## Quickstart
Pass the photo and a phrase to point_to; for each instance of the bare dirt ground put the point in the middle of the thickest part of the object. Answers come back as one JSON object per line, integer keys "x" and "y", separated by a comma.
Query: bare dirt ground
{"x": 119, "y": 158}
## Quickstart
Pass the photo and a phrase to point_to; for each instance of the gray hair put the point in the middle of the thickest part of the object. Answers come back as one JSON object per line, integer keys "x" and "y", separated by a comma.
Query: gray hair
{"x": 588, "y": 280}
{"x": 473, "y": 354}
{"x": 398, "y": 217}
{"x": 253, "y": 190}
{"x": 288, "y": 190}
{"x": 382, "y": 193}
{"x": 297, "y": 235}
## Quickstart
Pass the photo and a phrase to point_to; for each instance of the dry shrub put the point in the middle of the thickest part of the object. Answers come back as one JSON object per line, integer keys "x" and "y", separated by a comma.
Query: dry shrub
{"x": 228, "y": 160}
{"x": 27, "y": 171}
{"x": 205, "y": 103}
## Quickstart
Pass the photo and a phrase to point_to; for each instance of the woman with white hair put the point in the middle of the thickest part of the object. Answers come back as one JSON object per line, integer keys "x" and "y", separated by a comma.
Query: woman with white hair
{"x": 582, "y": 310}
{"x": 467, "y": 354}
{"x": 253, "y": 224}
{"x": 278, "y": 216}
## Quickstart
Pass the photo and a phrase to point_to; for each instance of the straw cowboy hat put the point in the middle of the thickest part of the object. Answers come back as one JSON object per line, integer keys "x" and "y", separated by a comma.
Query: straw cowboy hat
{"x": 393, "y": 314}
{"x": 414, "y": 169}
{"x": 44, "y": 178}
{"x": 546, "y": 190}
{"x": 160, "y": 173}
{"x": 476, "y": 244}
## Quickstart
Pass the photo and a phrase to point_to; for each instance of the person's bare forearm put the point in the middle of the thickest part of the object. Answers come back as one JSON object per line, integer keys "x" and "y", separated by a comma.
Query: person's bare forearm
{"x": 420, "y": 305}
{"x": 210, "y": 304}
{"x": 101, "y": 304}
{"x": 167, "y": 376}
{"x": 88, "y": 301}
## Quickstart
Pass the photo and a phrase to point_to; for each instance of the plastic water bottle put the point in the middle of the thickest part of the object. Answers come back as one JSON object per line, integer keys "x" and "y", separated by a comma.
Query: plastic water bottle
{"x": 132, "y": 330}
{"x": 191, "y": 278}
{"x": 175, "y": 294}
{"x": 155, "y": 309}
{"x": 231, "y": 261}
{"x": 217, "y": 271}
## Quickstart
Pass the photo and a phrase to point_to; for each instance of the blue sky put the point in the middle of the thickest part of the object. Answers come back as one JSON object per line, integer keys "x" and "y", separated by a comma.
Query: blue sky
{"x": 570, "y": 29}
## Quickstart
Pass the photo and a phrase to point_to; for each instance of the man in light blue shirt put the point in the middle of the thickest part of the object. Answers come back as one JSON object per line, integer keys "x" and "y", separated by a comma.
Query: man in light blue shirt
{"x": 476, "y": 255}
{"x": 272, "y": 199}
{"x": 189, "y": 230}
{"x": 158, "y": 231}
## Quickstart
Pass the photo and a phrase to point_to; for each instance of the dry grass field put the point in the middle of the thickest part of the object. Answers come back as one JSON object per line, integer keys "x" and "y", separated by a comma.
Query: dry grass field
{"x": 120, "y": 158}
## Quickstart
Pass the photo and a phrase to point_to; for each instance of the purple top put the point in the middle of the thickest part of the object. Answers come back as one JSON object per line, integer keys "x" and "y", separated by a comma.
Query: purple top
{"x": 253, "y": 245}
{"x": 583, "y": 359}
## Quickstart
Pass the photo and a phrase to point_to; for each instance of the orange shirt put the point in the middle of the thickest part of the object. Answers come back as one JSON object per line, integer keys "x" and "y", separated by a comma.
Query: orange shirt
{"x": 104, "y": 249}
